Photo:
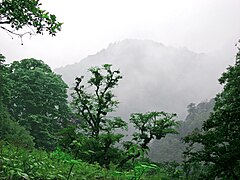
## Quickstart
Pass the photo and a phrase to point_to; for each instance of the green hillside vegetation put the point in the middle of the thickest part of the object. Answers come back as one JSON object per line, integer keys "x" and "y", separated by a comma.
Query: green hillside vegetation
{"x": 41, "y": 132}
{"x": 171, "y": 148}
{"x": 43, "y": 136}
{"x": 219, "y": 136}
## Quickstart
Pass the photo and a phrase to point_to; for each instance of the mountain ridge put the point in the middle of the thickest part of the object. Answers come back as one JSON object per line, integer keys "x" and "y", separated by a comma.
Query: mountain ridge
{"x": 131, "y": 41}
{"x": 155, "y": 77}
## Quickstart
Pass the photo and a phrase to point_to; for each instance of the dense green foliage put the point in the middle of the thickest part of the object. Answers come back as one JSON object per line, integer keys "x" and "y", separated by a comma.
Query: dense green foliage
{"x": 22, "y": 14}
{"x": 10, "y": 130}
{"x": 23, "y": 164}
{"x": 38, "y": 100}
{"x": 87, "y": 141}
{"x": 220, "y": 135}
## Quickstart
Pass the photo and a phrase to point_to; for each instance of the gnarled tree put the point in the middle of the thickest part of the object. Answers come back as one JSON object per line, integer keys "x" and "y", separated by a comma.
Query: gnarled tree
{"x": 92, "y": 103}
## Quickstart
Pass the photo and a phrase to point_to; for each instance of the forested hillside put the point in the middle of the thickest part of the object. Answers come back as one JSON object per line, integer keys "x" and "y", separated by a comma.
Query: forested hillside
{"x": 172, "y": 147}
{"x": 126, "y": 113}
{"x": 41, "y": 131}
{"x": 43, "y": 136}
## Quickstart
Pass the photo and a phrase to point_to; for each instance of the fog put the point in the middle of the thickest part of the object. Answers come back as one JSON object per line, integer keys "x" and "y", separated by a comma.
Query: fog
{"x": 155, "y": 77}
{"x": 169, "y": 52}
{"x": 202, "y": 26}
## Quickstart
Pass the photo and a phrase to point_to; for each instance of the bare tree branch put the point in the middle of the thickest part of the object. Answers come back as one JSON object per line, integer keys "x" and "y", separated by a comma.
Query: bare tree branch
{"x": 5, "y": 22}
{"x": 17, "y": 34}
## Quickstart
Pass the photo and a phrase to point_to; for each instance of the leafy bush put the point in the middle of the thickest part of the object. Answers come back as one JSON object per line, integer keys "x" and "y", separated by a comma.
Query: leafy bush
{"x": 19, "y": 163}
{"x": 23, "y": 164}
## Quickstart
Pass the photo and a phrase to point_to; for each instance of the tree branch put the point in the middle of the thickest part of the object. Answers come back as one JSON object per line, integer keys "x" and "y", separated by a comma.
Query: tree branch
{"x": 93, "y": 123}
{"x": 5, "y": 22}
{"x": 17, "y": 34}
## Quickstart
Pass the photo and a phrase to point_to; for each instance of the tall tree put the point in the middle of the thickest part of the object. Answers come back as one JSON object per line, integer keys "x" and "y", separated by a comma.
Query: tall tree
{"x": 92, "y": 104}
{"x": 38, "y": 100}
{"x": 27, "y": 14}
{"x": 10, "y": 130}
{"x": 220, "y": 135}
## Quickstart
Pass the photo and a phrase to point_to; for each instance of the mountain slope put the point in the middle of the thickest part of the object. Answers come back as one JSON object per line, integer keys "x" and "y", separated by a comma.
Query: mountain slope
{"x": 171, "y": 148}
{"x": 155, "y": 77}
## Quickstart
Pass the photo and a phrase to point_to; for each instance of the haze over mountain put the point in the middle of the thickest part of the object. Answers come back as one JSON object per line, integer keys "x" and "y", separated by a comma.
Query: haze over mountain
{"x": 155, "y": 77}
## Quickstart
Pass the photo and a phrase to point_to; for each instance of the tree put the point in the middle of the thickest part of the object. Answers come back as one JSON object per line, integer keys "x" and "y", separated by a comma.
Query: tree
{"x": 38, "y": 100}
{"x": 92, "y": 104}
{"x": 97, "y": 129}
{"x": 172, "y": 147}
{"x": 27, "y": 14}
{"x": 220, "y": 135}
{"x": 149, "y": 126}
{"x": 10, "y": 130}
{"x": 4, "y": 91}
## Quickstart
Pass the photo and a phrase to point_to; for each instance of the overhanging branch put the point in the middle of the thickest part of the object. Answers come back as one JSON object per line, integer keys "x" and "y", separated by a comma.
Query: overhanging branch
{"x": 17, "y": 34}
{"x": 5, "y": 22}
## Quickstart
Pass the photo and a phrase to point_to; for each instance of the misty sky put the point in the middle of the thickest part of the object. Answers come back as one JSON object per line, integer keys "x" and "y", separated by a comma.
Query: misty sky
{"x": 208, "y": 26}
